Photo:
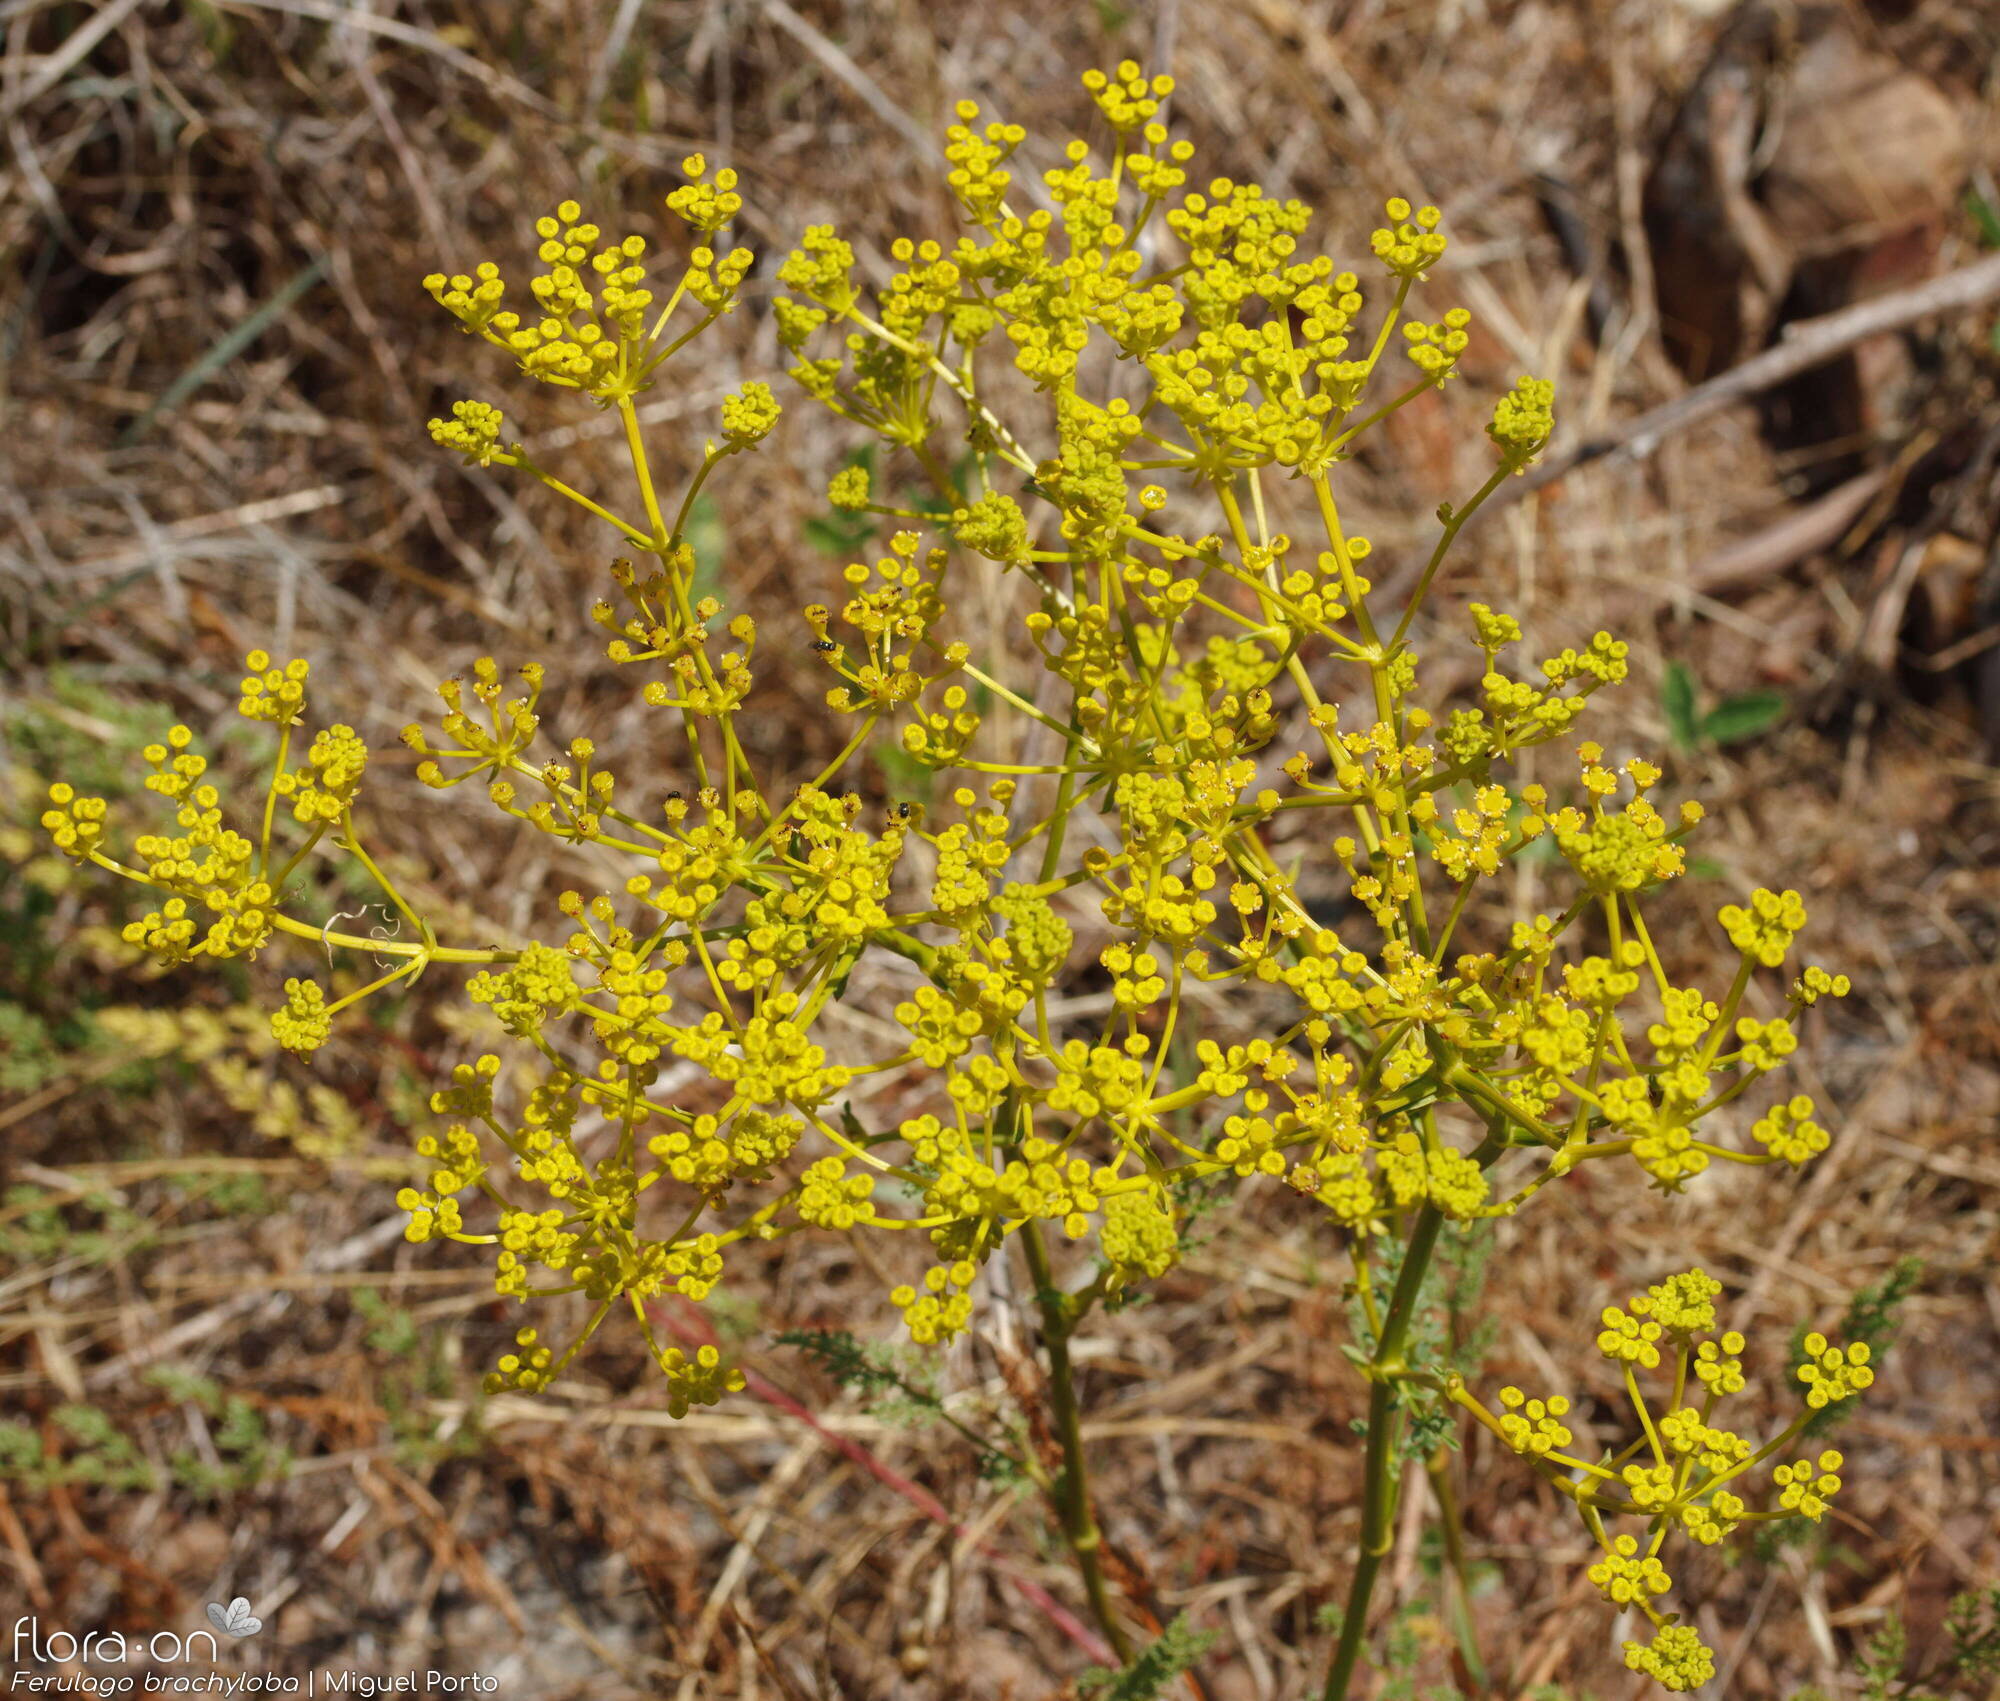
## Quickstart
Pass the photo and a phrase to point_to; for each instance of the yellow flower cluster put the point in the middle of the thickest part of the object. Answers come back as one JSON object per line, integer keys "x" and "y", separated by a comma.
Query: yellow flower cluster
{"x": 1807, "y": 1486}
{"x": 707, "y": 203}
{"x": 1218, "y": 767}
{"x": 1523, "y": 419}
{"x": 473, "y": 430}
{"x": 529, "y": 1369}
{"x": 750, "y": 415}
{"x": 1623, "y": 1578}
{"x": 1763, "y": 929}
{"x": 1533, "y": 1426}
{"x": 1833, "y": 1373}
{"x": 1685, "y": 1473}
{"x": 1450, "y": 1181}
{"x": 698, "y": 1381}
{"x": 1788, "y": 1131}
{"x": 944, "y": 1308}
{"x": 269, "y": 693}
{"x": 1675, "y": 1659}
{"x": 303, "y": 1024}
{"x": 1408, "y": 248}
{"x": 1139, "y": 1236}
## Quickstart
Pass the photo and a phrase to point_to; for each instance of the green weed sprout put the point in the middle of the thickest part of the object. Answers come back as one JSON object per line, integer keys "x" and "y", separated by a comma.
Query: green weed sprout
{"x": 1185, "y": 374}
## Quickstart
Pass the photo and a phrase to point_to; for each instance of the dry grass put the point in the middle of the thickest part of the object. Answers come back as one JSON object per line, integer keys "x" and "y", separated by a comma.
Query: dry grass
{"x": 217, "y": 364}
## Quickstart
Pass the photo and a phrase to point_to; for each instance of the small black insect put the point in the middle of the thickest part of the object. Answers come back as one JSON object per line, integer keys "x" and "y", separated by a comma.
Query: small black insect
{"x": 824, "y": 644}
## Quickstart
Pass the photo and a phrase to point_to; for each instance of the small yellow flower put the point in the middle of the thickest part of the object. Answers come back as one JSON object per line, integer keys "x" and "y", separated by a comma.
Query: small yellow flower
{"x": 1764, "y": 928}
{"x": 1523, "y": 420}
{"x": 473, "y": 430}
{"x": 302, "y": 1025}
{"x": 1832, "y": 1373}
{"x": 1625, "y": 1579}
{"x": 1675, "y": 1659}
{"x": 1807, "y": 1487}
{"x": 1534, "y": 1426}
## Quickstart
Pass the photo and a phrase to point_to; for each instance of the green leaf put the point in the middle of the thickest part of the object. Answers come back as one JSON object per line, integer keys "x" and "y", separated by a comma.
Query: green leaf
{"x": 1147, "y": 1677}
{"x": 1734, "y": 719}
{"x": 185, "y": 1387}
{"x": 1985, "y": 219}
{"x": 838, "y": 535}
{"x": 843, "y": 1358}
{"x": 850, "y": 1125}
{"x": 1677, "y": 699}
{"x": 225, "y": 349}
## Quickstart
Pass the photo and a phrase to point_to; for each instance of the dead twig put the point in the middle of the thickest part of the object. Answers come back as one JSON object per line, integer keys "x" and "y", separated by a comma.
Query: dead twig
{"x": 452, "y": 1550}
{"x": 76, "y": 46}
{"x": 33, "y": 1582}
{"x": 428, "y": 41}
{"x": 1790, "y": 539}
{"x": 844, "y": 68}
{"x": 1806, "y": 344}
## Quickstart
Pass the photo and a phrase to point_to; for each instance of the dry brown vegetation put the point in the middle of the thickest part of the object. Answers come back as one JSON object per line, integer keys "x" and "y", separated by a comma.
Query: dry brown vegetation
{"x": 217, "y": 368}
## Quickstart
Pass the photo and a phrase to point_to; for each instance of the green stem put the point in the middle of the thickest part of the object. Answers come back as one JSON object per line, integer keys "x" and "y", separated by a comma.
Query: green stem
{"x": 351, "y": 843}
{"x": 271, "y": 803}
{"x": 1452, "y": 527}
{"x": 1065, "y": 802}
{"x": 1378, "y": 1497}
{"x": 1458, "y": 1594}
{"x": 382, "y": 947}
{"x": 1073, "y": 1491}
{"x": 582, "y": 501}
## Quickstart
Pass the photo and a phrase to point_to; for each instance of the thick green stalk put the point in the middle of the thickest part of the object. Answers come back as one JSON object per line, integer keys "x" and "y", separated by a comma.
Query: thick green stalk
{"x": 1073, "y": 1490}
{"x": 1378, "y": 1494}
{"x": 1458, "y": 1593}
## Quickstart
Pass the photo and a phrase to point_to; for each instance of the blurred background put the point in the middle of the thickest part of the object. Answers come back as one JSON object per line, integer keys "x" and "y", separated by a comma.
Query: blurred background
{"x": 224, "y": 1372}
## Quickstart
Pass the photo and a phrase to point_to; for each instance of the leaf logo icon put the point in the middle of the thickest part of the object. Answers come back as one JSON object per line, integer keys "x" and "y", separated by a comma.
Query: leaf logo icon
{"x": 235, "y": 1619}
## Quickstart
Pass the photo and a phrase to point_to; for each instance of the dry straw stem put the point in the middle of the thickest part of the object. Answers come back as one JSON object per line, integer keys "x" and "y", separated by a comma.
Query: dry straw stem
{"x": 688, "y": 1325}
